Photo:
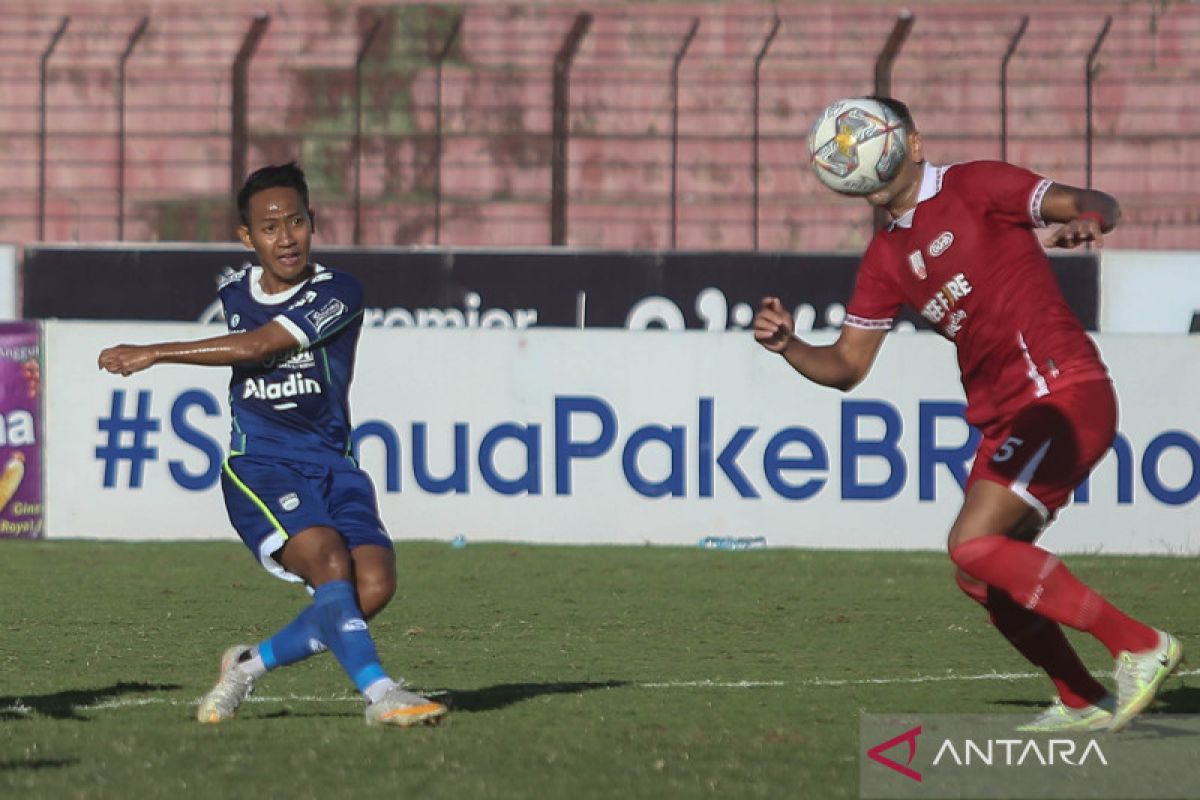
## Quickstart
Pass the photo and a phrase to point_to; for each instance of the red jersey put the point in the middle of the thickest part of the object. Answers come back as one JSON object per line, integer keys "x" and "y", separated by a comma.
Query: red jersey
{"x": 967, "y": 260}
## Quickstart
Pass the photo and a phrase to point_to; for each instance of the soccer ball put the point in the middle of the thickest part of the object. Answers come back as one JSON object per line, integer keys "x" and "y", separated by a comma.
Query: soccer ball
{"x": 857, "y": 146}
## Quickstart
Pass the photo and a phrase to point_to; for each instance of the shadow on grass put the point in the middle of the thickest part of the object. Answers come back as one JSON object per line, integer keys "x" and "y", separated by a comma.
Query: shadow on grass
{"x": 1183, "y": 700}
{"x": 1041, "y": 702}
{"x": 37, "y": 763}
{"x": 290, "y": 714}
{"x": 489, "y": 698}
{"x": 1180, "y": 700}
{"x": 67, "y": 704}
{"x": 501, "y": 695}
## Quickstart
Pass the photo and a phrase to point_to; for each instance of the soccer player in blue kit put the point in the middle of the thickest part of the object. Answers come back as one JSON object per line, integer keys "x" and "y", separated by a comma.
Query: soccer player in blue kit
{"x": 292, "y": 488}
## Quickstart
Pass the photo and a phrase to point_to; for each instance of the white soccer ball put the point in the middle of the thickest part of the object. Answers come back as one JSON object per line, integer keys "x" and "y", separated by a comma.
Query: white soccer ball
{"x": 857, "y": 146}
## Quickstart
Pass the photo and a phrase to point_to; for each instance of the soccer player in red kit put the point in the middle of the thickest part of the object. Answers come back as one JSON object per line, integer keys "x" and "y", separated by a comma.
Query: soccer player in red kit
{"x": 960, "y": 249}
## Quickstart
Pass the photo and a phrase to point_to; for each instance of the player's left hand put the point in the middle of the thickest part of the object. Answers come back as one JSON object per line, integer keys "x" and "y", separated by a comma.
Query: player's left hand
{"x": 126, "y": 359}
{"x": 1076, "y": 232}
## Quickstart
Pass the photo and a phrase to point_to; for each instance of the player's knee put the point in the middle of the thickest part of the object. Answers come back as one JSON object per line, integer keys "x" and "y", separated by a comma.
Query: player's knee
{"x": 374, "y": 592}
{"x": 318, "y": 555}
{"x": 975, "y": 589}
{"x": 973, "y": 555}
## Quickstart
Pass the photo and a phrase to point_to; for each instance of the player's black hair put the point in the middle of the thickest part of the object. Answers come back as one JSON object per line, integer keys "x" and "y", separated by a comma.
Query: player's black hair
{"x": 269, "y": 177}
{"x": 898, "y": 108}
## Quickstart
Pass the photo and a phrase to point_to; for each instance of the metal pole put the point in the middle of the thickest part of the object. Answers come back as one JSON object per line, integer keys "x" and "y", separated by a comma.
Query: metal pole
{"x": 679, "y": 54}
{"x": 134, "y": 37}
{"x": 1008, "y": 54}
{"x": 560, "y": 124}
{"x": 758, "y": 60}
{"x": 1090, "y": 78}
{"x": 42, "y": 76}
{"x": 358, "y": 70}
{"x": 883, "y": 74}
{"x": 239, "y": 129}
{"x": 437, "y": 130}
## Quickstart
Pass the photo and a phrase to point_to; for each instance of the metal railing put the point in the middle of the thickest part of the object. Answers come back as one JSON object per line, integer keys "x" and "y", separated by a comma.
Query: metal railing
{"x": 625, "y": 127}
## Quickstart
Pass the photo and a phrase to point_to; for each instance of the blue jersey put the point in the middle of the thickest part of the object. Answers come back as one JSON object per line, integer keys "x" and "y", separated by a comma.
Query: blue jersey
{"x": 295, "y": 405}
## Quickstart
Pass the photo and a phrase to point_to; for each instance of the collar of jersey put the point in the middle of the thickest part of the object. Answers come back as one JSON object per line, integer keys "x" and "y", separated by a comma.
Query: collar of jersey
{"x": 275, "y": 299}
{"x": 931, "y": 184}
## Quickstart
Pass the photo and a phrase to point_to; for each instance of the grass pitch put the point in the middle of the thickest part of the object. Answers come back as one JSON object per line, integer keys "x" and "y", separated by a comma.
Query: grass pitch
{"x": 572, "y": 672}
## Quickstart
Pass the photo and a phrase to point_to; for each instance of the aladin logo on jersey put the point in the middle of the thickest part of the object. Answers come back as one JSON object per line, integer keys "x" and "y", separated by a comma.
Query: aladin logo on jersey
{"x": 290, "y": 501}
{"x": 327, "y": 314}
{"x": 292, "y": 386}
{"x": 941, "y": 244}
{"x": 942, "y": 303}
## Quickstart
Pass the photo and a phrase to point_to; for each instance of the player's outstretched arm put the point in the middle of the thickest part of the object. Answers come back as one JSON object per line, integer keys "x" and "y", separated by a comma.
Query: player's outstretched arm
{"x": 219, "y": 351}
{"x": 1086, "y": 215}
{"x": 841, "y": 365}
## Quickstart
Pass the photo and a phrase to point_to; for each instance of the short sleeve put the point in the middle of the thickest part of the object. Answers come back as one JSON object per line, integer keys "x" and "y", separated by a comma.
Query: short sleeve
{"x": 329, "y": 302}
{"x": 1012, "y": 194}
{"x": 875, "y": 300}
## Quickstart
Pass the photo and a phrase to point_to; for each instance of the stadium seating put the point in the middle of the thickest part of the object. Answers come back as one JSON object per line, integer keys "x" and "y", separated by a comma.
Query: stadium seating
{"x": 629, "y": 182}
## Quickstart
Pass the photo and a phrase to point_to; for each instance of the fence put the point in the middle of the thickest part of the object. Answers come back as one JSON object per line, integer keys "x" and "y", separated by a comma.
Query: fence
{"x": 652, "y": 126}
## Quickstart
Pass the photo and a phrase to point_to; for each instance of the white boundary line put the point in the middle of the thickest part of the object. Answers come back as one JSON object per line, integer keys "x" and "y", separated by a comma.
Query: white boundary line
{"x": 135, "y": 702}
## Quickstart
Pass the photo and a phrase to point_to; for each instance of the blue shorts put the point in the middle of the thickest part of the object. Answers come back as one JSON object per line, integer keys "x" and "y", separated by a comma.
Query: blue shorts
{"x": 270, "y": 500}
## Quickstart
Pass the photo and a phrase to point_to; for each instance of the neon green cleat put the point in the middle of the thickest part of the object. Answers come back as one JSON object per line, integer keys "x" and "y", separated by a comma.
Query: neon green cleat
{"x": 1061, "y": 717}
{"x": 1139, "y": 676}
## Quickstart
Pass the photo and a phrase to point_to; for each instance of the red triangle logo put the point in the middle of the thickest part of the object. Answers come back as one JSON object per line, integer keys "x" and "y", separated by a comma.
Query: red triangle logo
{"x": 910, "y": 736}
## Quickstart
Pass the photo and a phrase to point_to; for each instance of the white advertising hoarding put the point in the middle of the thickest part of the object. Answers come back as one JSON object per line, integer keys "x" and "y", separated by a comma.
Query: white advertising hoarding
{"x": 1149, "y": 291}
{"x": 613, "y": 437}
{"x": 8, "y": 282}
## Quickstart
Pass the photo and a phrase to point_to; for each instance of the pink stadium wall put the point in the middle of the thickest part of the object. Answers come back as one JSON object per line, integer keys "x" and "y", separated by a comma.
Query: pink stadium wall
{"x": 494, "y": 185}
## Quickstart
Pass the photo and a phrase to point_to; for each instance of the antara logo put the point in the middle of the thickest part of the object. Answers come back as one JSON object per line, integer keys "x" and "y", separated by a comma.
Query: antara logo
{"x": 988, "y": 753}
{"x": 910, "y": 737}
{"x": 1018, "y": 752}
{"x": 292, "y": 386}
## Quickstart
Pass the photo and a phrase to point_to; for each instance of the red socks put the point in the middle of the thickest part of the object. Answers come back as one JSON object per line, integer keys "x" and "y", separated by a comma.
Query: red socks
{"x": 1041, "y": 642}
{"x": 1037, "y": 581}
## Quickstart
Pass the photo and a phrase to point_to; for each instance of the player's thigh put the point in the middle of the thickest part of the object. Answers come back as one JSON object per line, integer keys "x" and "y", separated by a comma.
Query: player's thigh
{"x": 352, "y": 507}
{"x": 318, "y": 555}
{"x": 990, "y": 508}
{"x": 270, "y": 502}
{"x": 1044, "y": 453}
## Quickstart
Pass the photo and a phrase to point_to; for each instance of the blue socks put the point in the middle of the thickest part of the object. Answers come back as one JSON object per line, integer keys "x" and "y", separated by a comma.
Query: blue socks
{"x": 344, "y": 631}
{"x": 296, "y": 641}
{"x": 333, "y": 621}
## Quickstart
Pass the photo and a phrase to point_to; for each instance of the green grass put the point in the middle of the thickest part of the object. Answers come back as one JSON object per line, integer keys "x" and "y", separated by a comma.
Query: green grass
{"x": 572, "y": 671}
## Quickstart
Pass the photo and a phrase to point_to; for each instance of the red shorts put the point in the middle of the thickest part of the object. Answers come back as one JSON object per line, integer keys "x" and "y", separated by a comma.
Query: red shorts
{"x": 1051, "y": 445}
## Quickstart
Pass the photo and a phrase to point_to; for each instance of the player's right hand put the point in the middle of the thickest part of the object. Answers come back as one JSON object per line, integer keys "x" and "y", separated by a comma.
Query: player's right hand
{"x": 126, "y": 359}
{"x": 774, "y": 325}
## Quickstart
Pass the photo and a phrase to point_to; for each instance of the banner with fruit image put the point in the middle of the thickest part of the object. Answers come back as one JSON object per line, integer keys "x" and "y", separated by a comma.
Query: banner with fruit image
{"x": 20, "y": 431}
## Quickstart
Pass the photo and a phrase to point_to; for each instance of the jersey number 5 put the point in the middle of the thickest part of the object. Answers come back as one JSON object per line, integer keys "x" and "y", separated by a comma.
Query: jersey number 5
{"x": 1006, "y": 450}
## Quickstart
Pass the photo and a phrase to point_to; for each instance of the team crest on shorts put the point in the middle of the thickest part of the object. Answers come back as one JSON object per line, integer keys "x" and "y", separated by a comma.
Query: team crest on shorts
{"x": 289, "y": 501}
